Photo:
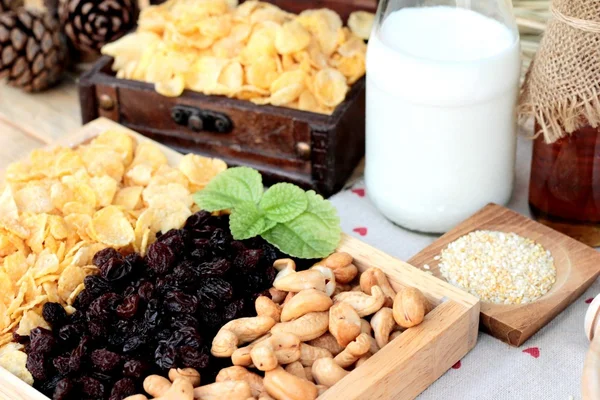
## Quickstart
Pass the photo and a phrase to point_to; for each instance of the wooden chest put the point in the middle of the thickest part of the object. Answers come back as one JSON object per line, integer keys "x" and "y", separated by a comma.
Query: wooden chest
{"x": 312, "y": 150}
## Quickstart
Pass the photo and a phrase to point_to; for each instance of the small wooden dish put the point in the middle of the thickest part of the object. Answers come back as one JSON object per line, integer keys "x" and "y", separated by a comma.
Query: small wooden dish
{"x": 577, "y": 267}
{"x": 404, "y": 368}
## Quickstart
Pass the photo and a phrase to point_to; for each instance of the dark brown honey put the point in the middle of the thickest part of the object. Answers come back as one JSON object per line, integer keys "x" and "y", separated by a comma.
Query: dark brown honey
{"x": 564, "y": 191}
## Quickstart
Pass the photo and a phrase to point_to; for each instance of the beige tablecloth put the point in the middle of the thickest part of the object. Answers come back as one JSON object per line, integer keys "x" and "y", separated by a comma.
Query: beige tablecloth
{"x": 548, "y": 366}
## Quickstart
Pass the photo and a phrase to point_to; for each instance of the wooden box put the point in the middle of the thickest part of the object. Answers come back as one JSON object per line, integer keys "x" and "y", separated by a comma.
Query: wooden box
{"x": 312, "y": 150}
{"x": 403, "y": 368}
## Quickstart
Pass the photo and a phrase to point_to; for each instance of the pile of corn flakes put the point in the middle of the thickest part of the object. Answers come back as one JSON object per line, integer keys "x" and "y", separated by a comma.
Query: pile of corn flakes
{"x": 60, "y": 206}
{"x": 254, "y": 51}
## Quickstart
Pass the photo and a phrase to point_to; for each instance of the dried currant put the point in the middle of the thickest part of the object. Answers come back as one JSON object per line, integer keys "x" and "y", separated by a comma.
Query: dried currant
{"x": 247, "y": 260}
{"x": 105, "y": 255}
{"x": 218, "y": 267}
{"x": 79, "y": 353}
{"x": 115, "y": 269}
{"x": 218, "y": 289}
{"x": 36, "y": 365}
{"x": 54, "y": 314}
{"x": 165, "y": 356}
{"x": 92, "y": 387}
{"x": 63, "y": 390}
{"x": 146, "y": 291}
{"x": 71, "y": 333}
{"x": 42, "y": 340}
{"x": 129, "y": 307}
{"x": 61, "y": 364}
{"x": 105, "y": 360}
{"x": 179, "y": 302}
{"x": 197, "y": 220}
{"x": 160, "y": 258}
{"x": 122, "y": 388}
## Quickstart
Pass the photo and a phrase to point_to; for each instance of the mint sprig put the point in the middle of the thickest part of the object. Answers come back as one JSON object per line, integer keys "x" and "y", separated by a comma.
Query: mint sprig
{"x": 301, "y": 224}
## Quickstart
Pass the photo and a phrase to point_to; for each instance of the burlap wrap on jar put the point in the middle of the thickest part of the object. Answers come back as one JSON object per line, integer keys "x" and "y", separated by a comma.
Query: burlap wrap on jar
{"x": 562, "y": 87}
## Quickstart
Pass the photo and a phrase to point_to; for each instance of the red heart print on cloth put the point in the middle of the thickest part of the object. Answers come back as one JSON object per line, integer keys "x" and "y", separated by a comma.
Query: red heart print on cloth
{"x": 362, "y": 231}
{"x": 588, "y": 301}
{"x": 533, "y": 352}
{"x": 359, "y": 192}
{"x": 457, "y": 365}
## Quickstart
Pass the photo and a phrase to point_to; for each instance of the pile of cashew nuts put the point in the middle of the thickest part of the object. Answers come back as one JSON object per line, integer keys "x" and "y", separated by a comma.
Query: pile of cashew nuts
{"x": 317, "y": 326}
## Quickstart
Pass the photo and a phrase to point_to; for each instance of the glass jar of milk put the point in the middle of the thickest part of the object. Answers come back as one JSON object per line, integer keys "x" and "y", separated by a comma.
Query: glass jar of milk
{"x": 442, "y": 82}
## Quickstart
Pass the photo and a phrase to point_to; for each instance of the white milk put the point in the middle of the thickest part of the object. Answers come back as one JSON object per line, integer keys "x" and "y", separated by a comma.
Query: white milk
{"x": 441, "y": 93}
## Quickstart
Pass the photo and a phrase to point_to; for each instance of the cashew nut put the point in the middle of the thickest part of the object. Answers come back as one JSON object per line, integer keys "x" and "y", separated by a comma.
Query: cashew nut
{"x": 281, "y": 348}
{"x": 267, "y": 307}
{"x": 185, "y": 373}
{"x": 242, "y": 357}
{"x": 342, "y": 267}
{"x": 355, "y": 350}
{"x": 277, "y": 295}
{"x": 340, "y": 287}
{"x": 307, "y": 327}
{"x": 303, "y": 302}
{"x": 284, "y": 386}
{"x": 136, "y": 397}
{"x": 327, "y": 342}
{"x": 239, "y": 331}
{"x": 296, "y": 369}
{"x": 344, "y": 323}
{"x": 375, "y": 276}
{"x": 308, "y": 372}
{"x": 230, "y": 390}
{"x": 156, "y": 385}
{"x": 362, "y": 360}
{"x": 297, "y": 281}
{"x": 410, "y": 307}
{"x": 330, "y": 282}
{"x": 383, "y": 323}
{"x": 394, "y": 335}
{"x": 308, "y": 354}
{"x": 356, "y": 288}
{"x": 374, "y": 347}
{"x": 363, "y": 303}
{"x": 365, "y": 326}
{"x": 237, "y": 373}
{"x": 321, "y": 389}
{"x": 327, "y": 372}
{"x": 285, "y": 267}
{"x": 181, "y": 389}
{"x": 265, "y": 396}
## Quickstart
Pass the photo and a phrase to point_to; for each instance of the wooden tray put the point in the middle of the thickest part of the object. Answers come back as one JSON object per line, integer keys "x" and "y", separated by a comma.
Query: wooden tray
{"x": 312, "y": 150}
{"x": 577, "y": 267}
{"x": 407, "y": 365}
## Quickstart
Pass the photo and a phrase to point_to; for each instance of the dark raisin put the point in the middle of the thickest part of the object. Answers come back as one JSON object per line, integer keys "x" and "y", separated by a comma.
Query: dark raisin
{"x": 96, "y": 285}
{"x": 61, "y": 363}
{"x": 105, "y": 255}
{"x": 63, "y": 390}
{"x": 218, "y": 267}
{"x": 160, "y": 258}
{"x": 105, "y": 360}
{"x": 92, "y": 387}
{"x": 179, "y": 302}
{"x": 247, "y": 260}
{"x": 134, "y": 343}
{"x": 36, "y": 365}
{"x": 197, "y": 220}
{"x": 218, "y": 289}
{"x": 83, "y": 300}
{"x": 71, "y": 333}
{"x": 101, "y": 376}
{"x": 115, "y": 269}
{"x": 42, "y": 340}
{"x": 20, "y": 339}
{"x": 79, "y": 353}
{"x": 184, "y": 321}
{"x": 136, "y": 262}
{"x": 129, "y": 307}
{"x": 135, "y": 368}
{"x": 219, "y": 241}
{"x": 54, "y": 314}
{"x": 234, "y": 310}
{"x": 201, "y": 249}
{"x": 103, "y": 307}
{"x": 190, "y": 357}
{"x": 176, "y": 239}
{"x": 122, "y": 388}
{"x": 153, "y": 317}
{"x": 146, "y": 291}
{"x": 187, "y": 336}
{"x": 165, "y": 356}
{"x": 98, "y": 328}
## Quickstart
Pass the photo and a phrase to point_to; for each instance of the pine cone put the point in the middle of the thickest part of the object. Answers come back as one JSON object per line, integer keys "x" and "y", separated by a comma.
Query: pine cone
{"x": 32, "y": 49}
{"x": 90, "y": 24}
{"x": 8, "y": 5}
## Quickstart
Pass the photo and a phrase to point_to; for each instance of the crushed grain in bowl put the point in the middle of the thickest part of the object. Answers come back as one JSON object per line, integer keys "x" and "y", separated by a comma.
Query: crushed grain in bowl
{"x": 499, "y": 267}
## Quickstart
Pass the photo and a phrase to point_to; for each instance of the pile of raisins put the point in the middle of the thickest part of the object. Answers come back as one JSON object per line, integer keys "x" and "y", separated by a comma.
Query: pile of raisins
{"x": 142, "y": 316}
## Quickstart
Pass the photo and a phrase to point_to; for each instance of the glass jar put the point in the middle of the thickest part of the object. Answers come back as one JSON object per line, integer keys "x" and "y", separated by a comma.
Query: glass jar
{"x": 442, "y": 82}
{"x": 564, "y": 190}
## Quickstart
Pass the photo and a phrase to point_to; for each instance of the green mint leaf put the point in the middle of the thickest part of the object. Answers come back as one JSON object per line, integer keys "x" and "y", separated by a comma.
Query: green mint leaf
{"x": 283, "y": 202}
{"x": 313, "y": 234}
{"x": 247, "y": 221}
{"x": 231, "y": 188}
